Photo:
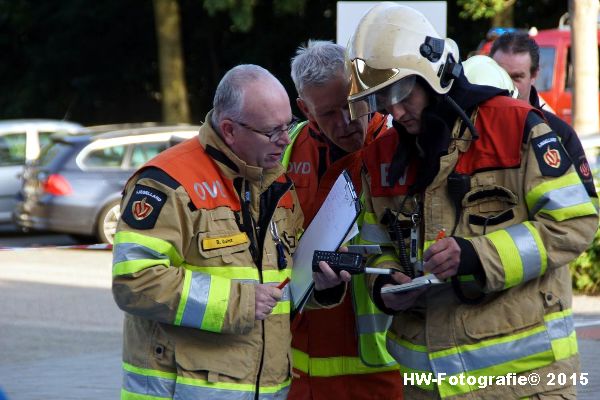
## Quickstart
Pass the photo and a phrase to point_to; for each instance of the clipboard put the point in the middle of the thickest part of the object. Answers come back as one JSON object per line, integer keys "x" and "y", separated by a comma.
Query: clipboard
{"x": 327, "y": 231}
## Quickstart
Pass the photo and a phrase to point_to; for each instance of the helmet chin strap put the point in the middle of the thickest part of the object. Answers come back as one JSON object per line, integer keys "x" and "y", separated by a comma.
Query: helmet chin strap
{"x": 463, "y": 116}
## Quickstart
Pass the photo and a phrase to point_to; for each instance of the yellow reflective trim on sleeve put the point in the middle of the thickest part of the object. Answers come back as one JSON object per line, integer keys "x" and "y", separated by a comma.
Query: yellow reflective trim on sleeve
{"x": 540, "y": 190}
{"x": 230, "y": 272}
{"x": 540, "y": 246}
{"x": 156, "y": 244}
{"x": 225, "y": 241}
{"x": 185, "y": 291}
{"x": 216, "y": 307}
{"x": 133, "y": 266}
{"x": 509, "y": 257}
{"x": 580, "y": 210}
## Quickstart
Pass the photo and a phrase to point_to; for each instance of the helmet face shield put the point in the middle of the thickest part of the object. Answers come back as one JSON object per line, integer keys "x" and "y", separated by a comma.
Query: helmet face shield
{"x": 382, "y": 98}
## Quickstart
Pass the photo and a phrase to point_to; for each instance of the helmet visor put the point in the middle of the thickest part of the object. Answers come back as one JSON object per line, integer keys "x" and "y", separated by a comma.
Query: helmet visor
{"x": 383, "y": 98}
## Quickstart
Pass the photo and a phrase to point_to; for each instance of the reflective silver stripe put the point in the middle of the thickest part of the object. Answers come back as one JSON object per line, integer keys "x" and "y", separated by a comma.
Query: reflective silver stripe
{"x": 495, "y": 354}
{"x": 133, "y": 251}
{"x": 561, "y": 327}
{"x": 195, "y": 307}
{"x": 148, "y": 385}
{"x": 373, "y": 323}
{"x": 528, "y": 250}
{"x": 184, "y": 391}
{"x": 374, "y": 233}
{"x": 561, "y": 198}
{"x": 413, "y": 359}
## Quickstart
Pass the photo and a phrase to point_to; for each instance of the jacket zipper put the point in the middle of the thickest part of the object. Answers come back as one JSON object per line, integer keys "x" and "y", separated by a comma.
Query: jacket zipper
{"x": 257, "y": 231}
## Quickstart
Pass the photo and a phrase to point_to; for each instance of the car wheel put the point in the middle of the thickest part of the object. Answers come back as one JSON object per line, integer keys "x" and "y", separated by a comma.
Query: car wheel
{"x": 107, "y": 222}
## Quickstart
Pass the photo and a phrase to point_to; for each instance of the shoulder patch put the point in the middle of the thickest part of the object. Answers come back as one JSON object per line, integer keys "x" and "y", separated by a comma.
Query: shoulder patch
{"x": 143, "y": 207}
{"x": 160, "y": 176}
{"x": 551, "y": 155}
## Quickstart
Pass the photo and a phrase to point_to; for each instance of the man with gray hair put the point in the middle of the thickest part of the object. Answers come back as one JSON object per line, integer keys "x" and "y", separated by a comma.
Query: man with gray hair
{"x": 206, "y": 236}
{"x": 335, "y": 350}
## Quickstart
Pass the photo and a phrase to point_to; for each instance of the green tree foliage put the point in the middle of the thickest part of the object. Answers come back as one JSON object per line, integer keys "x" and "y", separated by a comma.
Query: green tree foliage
{"x": 241, "y": 12}
{"x": 586, "y": 269}
{"x": 478, "y": 9}
{"x": 97, "y": 62}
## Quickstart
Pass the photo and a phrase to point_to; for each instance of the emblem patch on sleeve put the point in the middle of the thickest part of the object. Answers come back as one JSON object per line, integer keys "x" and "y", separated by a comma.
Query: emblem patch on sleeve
{"x": 143, "y": 207}
{"x": 551, "y": 156}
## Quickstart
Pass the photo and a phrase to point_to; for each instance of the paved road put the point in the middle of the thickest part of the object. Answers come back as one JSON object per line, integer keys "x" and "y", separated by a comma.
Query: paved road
{"x": 60, "y": 331}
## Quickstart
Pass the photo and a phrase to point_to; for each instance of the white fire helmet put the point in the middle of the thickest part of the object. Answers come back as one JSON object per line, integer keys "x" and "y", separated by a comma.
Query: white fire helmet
{"x": 483, "y": 70}
{"x": 392, "y": 45}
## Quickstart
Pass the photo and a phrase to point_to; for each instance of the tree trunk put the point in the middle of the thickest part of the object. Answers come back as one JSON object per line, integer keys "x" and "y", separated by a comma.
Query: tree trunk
{"x": 584, "y": 50}
{"x": 506, "y": 17}
{"x": 172, "y": 78}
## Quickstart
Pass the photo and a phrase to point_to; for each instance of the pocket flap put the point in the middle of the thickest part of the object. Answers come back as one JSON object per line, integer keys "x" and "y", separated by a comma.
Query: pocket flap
{"x": 214, "y": 363}
{"x": 505, "y": 314}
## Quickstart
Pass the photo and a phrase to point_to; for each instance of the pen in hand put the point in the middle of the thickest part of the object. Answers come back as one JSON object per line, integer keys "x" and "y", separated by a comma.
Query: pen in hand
{"x": 282, "y": 284}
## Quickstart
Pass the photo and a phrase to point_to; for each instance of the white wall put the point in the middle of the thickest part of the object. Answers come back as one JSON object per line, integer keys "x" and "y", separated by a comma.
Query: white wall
{"x": 350, "y": 12}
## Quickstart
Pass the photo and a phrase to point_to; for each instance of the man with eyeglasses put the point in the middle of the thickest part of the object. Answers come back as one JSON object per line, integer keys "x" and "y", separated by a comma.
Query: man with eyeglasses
{"x": 338, "y": 352}
{"x": 206, "y": 236}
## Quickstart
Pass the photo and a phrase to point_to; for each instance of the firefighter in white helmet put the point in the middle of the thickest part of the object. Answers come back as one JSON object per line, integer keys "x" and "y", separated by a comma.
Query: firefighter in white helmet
{"x": 472, "y": 186}
{"x": 483, "y": 70}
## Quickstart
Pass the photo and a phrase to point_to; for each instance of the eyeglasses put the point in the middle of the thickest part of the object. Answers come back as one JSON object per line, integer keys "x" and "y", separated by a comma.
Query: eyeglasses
{"x": 274, "y": 134}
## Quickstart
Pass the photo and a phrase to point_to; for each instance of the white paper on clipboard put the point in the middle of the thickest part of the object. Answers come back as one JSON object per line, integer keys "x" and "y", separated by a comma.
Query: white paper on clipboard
{"x": 327, "y": 231}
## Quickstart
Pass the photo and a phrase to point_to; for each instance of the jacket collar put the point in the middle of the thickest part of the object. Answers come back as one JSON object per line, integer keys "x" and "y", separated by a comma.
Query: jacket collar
{"x": 229, "y": 163}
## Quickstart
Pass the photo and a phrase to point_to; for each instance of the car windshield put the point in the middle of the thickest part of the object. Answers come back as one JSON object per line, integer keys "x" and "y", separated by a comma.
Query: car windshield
{"x": 545, "y": 77}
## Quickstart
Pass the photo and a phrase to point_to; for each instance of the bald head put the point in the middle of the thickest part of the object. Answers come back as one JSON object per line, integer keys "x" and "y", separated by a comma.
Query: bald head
{"x": 251, "y": 113}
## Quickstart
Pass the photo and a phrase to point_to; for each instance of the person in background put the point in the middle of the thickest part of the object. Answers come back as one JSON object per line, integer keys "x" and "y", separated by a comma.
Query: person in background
{"x": 519, "y": 55}
{"x": 472, "y": 186}
{"x": 206, "y": 235}
{"x": 339, "y": 352}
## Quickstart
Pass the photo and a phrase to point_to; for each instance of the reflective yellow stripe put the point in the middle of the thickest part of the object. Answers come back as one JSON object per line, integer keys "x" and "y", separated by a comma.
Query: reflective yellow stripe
{"x": 146, "y": 384}
{"x": 218, "y": 300}
{"x": 159, "y": 245}
{"x": 287, "y": 154}
{"x": 525, "y": 351}
{"x": 185, "y": 291}
{"x": 371, "y": 324}
{"x": 275, "y": 275}
{"x": 509, "y": 257}
{"x": 521, "y": 251}
{"x": 333, "y": 366}
{"x": 561, "y": 198}
{"x": 133, "y": 266}
{"x": 229, "y": 272}
{"x": 133, "y": 252}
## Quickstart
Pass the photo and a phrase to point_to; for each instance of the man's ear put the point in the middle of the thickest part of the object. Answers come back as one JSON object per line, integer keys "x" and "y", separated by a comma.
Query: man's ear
{"x": 304, "y": 108}
{"x": 226, "y": 128}
{"x": 534, "y": 76}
